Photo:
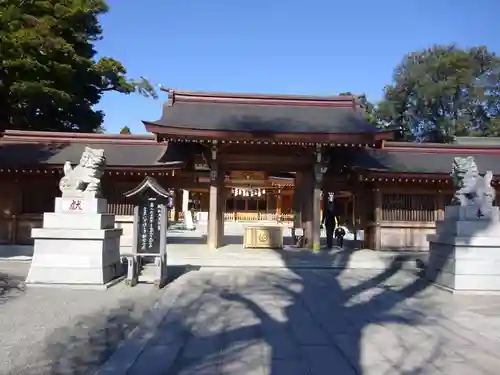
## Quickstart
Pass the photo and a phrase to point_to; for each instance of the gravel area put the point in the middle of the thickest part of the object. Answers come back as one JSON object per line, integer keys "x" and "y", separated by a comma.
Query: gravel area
{"x": 64, "y": 331}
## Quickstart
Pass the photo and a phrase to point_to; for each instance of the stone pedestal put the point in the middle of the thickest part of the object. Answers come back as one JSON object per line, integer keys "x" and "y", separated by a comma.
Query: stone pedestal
{"x": 77, "y": 245}
{"x": 464, "y": 254}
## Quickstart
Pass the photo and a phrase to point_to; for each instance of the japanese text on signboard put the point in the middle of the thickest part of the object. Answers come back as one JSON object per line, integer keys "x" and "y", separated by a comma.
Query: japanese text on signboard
{"x": 149, "y": 226}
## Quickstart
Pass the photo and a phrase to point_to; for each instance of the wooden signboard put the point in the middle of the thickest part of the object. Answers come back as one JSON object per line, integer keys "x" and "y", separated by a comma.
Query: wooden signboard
{"x": 149, "y": 225}
{"x": 150, "y": 229}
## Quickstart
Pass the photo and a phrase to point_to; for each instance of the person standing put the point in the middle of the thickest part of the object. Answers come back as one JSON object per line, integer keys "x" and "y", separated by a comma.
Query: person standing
{"x": 329, "y": 219}
{"x": 339, "y": 235}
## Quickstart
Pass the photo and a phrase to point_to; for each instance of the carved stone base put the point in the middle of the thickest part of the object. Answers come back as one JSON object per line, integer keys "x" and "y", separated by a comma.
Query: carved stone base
{"x": 464, "y": 254}
{"x": 76, "y": 248}
{"x": 55, "y": 220}
{"x": 89, "y": 257}
{"x": 472, "y": 212}
{"x": 81, "y": 205}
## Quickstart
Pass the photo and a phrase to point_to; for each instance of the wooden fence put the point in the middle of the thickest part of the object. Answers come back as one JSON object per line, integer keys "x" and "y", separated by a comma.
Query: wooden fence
{"x": 409, "y": 207}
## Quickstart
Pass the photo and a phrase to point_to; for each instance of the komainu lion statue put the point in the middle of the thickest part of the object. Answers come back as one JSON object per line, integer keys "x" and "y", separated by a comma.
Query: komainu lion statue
{"x": 85, "y": 179}
{"x": 464, "y": 173}
{"x": 471, "y": 188}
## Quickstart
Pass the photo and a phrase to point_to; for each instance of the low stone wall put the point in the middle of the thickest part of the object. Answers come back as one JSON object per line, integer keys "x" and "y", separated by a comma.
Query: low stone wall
{"x": 405, "y": 235}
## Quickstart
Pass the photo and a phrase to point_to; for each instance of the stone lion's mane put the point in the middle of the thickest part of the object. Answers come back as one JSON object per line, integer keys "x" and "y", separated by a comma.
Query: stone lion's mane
{"x": 96, "y": 158}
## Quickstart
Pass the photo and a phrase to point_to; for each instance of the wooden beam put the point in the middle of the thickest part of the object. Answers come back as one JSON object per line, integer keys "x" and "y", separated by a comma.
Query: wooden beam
{"x": 179, "y": 134}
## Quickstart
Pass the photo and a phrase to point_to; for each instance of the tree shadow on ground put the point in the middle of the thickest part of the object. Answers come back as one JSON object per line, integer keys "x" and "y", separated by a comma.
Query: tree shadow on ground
{"x": 326, "y": 321}
{"x": 11, "y": 286}
{"x": 84, "y": 346}
{"x": 297, "y": 322}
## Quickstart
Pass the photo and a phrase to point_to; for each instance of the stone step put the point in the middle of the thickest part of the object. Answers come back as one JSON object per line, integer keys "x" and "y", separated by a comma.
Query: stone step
{"x": 362, "y": 259}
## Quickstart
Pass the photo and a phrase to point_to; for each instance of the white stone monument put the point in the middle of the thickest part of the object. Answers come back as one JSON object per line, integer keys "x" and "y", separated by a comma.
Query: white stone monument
{"x": 78, "y": 244}
{"x": 464, "y": 254}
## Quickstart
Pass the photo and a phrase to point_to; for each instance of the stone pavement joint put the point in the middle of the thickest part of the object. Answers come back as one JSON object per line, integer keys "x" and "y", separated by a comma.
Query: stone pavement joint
{"x": 286, "y": 322}
{"x": 145, "y": 335}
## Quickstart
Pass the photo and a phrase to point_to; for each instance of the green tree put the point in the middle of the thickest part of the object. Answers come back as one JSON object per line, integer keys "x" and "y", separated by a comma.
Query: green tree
{"x": 125, "y": 130}
{"x": 440, "y": 93}
{"x": 369, "y": 108}
{"x": 49, "y": 79}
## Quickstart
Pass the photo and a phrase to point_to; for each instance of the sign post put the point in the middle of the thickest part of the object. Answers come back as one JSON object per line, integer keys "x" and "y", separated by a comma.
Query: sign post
{"x": 150, "y": 230}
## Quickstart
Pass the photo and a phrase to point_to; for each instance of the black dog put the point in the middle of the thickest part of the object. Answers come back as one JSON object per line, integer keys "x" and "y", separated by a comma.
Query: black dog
{"x": 339, "y": 235}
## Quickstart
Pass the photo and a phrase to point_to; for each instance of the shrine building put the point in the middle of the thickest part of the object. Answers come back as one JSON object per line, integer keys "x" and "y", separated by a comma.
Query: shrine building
{"x": 251, "y": 158}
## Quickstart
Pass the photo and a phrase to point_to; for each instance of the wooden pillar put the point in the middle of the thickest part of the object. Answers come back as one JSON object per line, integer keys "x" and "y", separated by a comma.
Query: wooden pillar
{"x": 304, "y": 194}
{"x": 11, "y": 206}
{"x": 216, "y": 204}
{"x": 316, "y": 222}
{"x": 308, "y": 209}
{"x": 321, "y": 205}
{"x": 364, "y": 205}
{"x": 317, "y": 177}
{"x": 377, "y": 218}
{"x": 216, "y": 210}
{"x": 221, "y": 209}
{"x": 354, "y": 216}
{"x": 177, "y": 204}
{"x": 278, "y": 206}
{"x": 297, "y": 202}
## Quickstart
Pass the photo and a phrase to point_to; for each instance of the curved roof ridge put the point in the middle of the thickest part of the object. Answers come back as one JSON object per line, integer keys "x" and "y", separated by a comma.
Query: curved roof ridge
{"x": 252, "y": 98}
{"x": 27, "y": 136}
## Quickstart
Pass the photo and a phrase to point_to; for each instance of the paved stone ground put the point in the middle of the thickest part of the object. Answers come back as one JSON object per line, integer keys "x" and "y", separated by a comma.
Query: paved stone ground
{"x": 60, "y": 331}
{"x": 283, "y": 322}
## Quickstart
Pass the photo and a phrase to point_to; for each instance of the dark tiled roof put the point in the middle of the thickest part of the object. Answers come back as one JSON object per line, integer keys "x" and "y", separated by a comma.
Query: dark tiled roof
{"x": 264, "y": 118}
{"x": 263, "y": 113}
{"x": 413, "y": 161}
{"x": 19, "y": 152}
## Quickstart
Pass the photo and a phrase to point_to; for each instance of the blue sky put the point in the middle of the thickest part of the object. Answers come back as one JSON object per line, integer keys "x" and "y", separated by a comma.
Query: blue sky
{"x": 318, "y": 47}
